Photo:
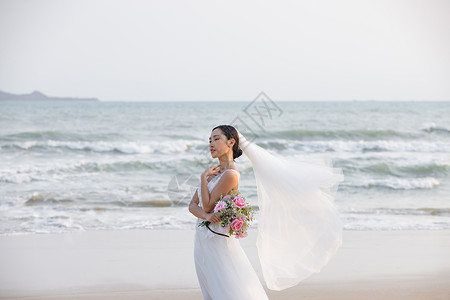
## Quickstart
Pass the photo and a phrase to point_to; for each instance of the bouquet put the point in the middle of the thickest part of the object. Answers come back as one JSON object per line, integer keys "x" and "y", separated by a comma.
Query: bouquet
{"x": 236, "y": 215}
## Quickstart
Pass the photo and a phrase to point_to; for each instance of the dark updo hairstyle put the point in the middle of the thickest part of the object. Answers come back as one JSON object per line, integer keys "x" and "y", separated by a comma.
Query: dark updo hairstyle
{"x": 231, "y": 133}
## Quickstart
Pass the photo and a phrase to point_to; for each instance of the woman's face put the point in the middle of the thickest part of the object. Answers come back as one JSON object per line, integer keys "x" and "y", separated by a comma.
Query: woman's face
{"x": 218, "y": 143}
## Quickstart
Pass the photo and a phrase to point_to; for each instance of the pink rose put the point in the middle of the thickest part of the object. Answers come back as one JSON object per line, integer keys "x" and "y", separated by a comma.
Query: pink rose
{"x": 227, "y": 197}
{"x": 236, "y": 225}
{"x": 239, "y": 202}
{"x": 219, "y": 206}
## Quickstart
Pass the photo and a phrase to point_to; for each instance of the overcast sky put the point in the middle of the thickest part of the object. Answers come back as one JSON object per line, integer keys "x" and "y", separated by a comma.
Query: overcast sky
{"x": 227, "y": 50}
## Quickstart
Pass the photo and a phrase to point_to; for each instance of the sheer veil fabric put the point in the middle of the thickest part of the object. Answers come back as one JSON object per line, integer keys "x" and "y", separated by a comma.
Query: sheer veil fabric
{"x": 299, "y": 227}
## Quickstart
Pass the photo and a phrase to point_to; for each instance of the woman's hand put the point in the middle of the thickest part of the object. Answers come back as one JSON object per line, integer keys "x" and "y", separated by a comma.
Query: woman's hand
{"x": 214, "y": 170}
{"x": 213, "y": 218}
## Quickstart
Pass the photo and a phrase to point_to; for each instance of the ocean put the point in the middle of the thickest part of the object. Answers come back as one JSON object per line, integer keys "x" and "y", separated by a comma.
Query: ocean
{"x": 80, "y": 166}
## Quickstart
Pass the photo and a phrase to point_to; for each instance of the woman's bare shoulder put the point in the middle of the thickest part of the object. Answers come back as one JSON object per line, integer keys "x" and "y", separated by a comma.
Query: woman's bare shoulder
{"x": 236, "y": 170}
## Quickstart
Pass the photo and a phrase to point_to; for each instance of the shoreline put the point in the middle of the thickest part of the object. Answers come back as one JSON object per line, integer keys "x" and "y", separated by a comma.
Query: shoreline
{"x": 158, "y": 264}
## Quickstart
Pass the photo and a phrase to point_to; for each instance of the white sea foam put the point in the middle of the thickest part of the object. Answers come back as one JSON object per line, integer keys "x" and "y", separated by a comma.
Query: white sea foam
{"x": 32, "y": 220}
{"x": 361, "y": 146}
{"x": 375, "y": 146}
{"x": 143, "y": 147}
{"x": 429, "y": 126}
{"x": 394, "y": 222}
{"x": 396, "y": 183}
{"x": 40, "y": 172}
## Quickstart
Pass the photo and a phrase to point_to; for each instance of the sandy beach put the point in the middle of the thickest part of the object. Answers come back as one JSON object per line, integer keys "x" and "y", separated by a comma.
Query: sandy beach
{"x": 158, "y": 264}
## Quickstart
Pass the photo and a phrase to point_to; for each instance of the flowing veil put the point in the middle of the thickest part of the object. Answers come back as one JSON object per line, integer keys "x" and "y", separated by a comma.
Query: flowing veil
{"x": 299, "y": 228}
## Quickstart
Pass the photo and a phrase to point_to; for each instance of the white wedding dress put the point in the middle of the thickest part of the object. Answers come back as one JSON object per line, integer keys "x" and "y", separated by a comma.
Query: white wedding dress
{"x": 223, "y": 269}
{"x": 299, "y": 228}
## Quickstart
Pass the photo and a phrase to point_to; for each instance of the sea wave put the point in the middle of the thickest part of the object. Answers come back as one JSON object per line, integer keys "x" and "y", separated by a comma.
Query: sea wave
{"x": 52, "y": 200}
{"x": 431, "y": 211}
{"x": 396, "y": 183}
{"x": 350, "y": 134}
{"x": 356, "y": 146}
{"x": 52, "y": 219}
{"x": 426, "y": 169}
{"x": 165, "y": 147}
{"x": 59, "y": 171}
{"x": 49, "y": 172}
{"x": 39, "y": 199}
{"x": 200, "y": 147}
{"x": 45, "y": 135}
{"x": 433, "y": 128}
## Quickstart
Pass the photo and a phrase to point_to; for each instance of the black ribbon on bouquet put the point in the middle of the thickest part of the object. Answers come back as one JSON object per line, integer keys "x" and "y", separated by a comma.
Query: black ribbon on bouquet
{"x": 207, "y": 226}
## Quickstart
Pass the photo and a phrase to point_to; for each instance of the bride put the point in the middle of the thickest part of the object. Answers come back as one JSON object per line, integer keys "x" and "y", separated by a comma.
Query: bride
{"x": 299, "y": 227}
{"x": 223, "y": 269}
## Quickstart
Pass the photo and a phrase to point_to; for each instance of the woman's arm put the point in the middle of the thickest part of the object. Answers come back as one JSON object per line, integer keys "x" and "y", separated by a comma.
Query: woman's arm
{"x": 199, "y": 212}
{"x": 195, "y": 209}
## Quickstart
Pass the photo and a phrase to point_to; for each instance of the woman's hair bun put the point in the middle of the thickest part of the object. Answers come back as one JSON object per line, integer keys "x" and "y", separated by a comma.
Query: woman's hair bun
{"x": 237, "y": 152}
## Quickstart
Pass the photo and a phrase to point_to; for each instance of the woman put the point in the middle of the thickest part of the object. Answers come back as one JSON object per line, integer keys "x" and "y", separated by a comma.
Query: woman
{"x": 223, "y": 269}
{"x": 299, "y": 227}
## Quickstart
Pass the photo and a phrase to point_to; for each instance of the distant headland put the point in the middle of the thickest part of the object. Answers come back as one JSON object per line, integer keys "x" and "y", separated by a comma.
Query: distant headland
{"x": 38, "y": 96}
